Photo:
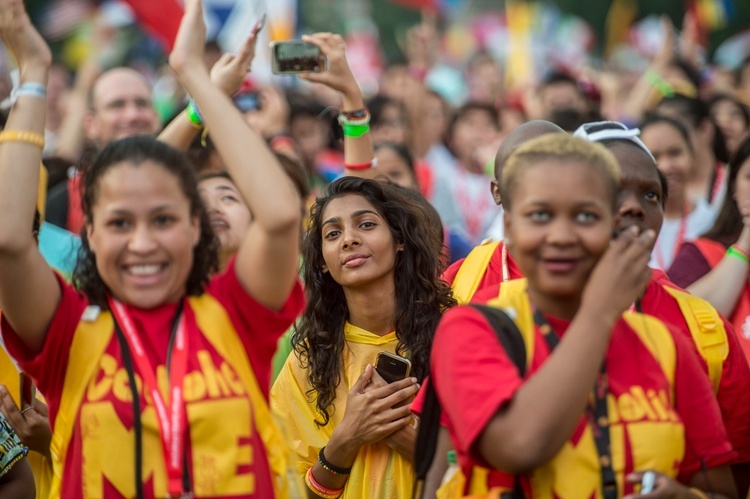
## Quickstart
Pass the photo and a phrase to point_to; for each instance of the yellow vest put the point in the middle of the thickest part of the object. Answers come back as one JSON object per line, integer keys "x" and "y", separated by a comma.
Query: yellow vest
{"x": 514, "y": 300}
{"x": 472, "y": 270}
{"x": 90, "y": 342}
{"x": 41, "y": 467}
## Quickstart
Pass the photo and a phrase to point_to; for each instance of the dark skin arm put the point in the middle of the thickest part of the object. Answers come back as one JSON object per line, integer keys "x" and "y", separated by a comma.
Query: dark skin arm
{"x": 18, "y": 482}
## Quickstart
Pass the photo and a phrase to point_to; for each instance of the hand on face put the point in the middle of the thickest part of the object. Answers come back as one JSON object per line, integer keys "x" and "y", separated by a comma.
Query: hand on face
{"x": 621, "y": 276}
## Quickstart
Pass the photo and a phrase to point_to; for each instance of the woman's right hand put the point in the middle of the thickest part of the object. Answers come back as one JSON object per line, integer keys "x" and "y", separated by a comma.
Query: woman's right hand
{"x": 372, "y": 415}
{"x": 621, "y": 275}
{"x": 27, "y": 45}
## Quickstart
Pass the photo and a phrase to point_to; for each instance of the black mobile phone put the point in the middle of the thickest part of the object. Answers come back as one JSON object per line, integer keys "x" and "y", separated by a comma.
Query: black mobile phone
{"x": 28, "y": 390}
{"x": 392, "y": 367}
{"x": 294, "y": 57}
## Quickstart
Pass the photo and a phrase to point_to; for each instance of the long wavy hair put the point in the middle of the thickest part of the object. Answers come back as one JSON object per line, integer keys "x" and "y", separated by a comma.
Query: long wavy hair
{"x": 421, "y": 296}
{"x": 135, "y": 151}
{"x": 728, "y": 224}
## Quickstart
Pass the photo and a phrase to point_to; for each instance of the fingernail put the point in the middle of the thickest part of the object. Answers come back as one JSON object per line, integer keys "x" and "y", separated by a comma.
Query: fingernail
{"x": 414, "y": 380}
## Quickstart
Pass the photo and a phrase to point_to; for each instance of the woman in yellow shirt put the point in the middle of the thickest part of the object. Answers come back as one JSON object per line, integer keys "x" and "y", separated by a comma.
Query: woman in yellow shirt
{"x": 372, "y": 267}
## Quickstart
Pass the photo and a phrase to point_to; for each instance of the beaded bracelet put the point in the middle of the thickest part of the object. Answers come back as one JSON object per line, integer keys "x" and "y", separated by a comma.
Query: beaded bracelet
{"x": 194, "y": 115}
{"x": 331, "y": 468}
{"x": 352, "y": 118}
{"x": 323, "y": 492}
{"x": 355, "y": 131}
{"x": 29, "y": 89}
{"x": 33, "y": 138}
{"x": 362, "y": 166}
{"x": 739, "y": 253}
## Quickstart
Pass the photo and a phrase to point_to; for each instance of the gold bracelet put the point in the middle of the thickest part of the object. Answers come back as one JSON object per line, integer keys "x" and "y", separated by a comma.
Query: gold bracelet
{"x": 33, "y": 138}
{"x": 698, "y": 493}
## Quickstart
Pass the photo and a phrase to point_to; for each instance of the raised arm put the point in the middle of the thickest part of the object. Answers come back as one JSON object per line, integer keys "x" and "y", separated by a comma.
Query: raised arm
{"x": 228, "y": 73}
{"x": 267, "y": 261}
{"x": 723, "y": 285}
{"x": 29, "y": 293}
{"x": 358, "y": 148}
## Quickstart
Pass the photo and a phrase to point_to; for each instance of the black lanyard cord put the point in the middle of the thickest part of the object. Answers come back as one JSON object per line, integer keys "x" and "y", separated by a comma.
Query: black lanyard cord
{"x": 597, "y": 415}
{"x": 137, "y": 425}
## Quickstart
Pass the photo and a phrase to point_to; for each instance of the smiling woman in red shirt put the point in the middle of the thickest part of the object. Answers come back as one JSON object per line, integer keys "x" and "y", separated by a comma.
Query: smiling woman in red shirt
{"x": 652, "y": 407}
{"x": 150, "y": 356}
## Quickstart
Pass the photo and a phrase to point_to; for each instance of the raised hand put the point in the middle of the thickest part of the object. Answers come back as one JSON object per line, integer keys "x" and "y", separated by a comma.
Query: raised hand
{"x": 421, "y": 45}
{"x": 27, "y": 45}
{"x": 230, "y": 70}
{"x": 338, "y": 76}
{"x": 187, "y": 52}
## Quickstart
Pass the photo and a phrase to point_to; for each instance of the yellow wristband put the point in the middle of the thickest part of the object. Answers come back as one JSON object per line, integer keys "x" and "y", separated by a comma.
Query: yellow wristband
{"x": 22, "y": 136}
{"x": 698, "y": 492}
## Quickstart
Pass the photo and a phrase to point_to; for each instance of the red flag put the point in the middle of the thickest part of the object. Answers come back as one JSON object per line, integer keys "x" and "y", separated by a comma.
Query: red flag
{"x": 160, "y": 17}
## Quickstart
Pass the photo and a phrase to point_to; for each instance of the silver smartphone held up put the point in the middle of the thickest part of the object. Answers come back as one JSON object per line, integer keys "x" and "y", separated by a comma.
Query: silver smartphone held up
{"x": 294, "y": 57}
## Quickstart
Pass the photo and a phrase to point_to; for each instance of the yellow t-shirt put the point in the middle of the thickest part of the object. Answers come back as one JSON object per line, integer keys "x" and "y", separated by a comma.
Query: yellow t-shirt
{"x": 377, "y": 471}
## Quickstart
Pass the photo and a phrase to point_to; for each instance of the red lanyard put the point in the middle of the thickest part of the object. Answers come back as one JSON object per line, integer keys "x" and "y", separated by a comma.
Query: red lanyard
{"x": 680, "y": 239}
{"x": 171, "y": 418}
{"x": 721, "y": 171}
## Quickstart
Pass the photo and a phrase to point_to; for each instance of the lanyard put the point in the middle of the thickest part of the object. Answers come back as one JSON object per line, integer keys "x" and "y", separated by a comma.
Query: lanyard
{"x": 597, "y": 415}
{"x": 171, "y": 418}
{"x": 721, "y": 171}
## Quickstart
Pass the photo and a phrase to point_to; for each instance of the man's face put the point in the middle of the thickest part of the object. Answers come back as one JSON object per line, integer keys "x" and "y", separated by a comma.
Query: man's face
{"x": 121, "y": 107}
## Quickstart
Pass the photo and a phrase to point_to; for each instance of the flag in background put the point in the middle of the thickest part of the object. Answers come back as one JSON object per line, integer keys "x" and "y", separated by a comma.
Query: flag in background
{"x": 519, "y": 68}
{"x": 160, "y": 18}
{"x": 621, "y": 15}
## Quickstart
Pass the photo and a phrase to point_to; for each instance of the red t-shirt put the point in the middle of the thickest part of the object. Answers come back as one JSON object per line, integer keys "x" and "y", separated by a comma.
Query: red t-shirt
{"x": 100, "y": 457}
{"x": 735, "y": 377}
{"x": 640, "y": 431}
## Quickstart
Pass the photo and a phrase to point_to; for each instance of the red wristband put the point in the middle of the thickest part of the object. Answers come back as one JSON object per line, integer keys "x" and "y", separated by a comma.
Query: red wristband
{"x": 361, "y": 166}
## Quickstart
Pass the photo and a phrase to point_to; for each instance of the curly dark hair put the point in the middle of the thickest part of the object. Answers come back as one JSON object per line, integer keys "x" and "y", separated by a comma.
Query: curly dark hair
{"x": 421, "y": 296}
{"x": 135, "y": 151}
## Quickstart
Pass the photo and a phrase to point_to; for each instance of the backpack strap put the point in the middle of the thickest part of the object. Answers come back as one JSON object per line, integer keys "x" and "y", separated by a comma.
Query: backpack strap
{"x": 472, "y": 271}
{"x": 707, "y": 330}
{"x": 512, "y": 342}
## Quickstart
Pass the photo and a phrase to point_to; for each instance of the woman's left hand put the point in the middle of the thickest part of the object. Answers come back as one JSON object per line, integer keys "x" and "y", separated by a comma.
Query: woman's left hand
{"x": 664, "y": 487}
{"x": 338, "y": 76}
{"x": 230, "y": 71}
{"x": 189, "y": 45}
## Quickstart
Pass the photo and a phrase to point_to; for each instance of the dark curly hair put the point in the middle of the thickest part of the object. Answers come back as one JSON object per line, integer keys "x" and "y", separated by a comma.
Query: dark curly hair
{"x": 421, "y": 296}
{"x": 135, "y": 151}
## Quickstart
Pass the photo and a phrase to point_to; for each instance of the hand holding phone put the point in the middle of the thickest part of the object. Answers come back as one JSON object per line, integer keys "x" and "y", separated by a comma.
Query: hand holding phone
{"x": 392, "y": 367}
{"x": 295, "y": 57}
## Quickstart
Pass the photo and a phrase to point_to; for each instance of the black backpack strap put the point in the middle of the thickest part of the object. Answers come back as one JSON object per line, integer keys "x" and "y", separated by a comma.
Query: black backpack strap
{"x": 429, "y": 426}
{"x": 508, "y": 334}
